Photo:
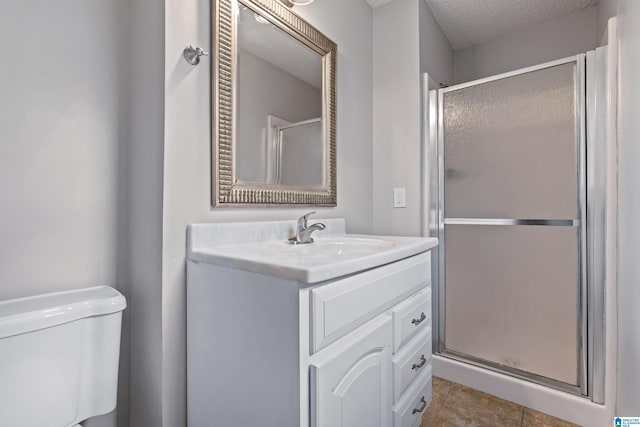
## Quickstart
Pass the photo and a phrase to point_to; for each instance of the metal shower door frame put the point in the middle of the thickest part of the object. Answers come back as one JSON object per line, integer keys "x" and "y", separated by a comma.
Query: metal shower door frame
{"x": 434, "y": 125}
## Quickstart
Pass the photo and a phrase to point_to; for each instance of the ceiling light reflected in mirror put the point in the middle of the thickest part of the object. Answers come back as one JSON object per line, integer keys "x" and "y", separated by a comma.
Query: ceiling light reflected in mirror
{"x": 291, "y": 3}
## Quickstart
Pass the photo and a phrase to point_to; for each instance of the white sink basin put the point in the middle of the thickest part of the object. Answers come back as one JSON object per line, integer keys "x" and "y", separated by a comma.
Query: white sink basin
{"x": 329, "y": 256}
{"x": 344, "y": 246}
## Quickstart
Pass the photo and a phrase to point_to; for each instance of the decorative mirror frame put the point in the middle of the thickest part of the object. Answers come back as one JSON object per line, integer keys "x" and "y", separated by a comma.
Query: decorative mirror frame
{"x": 225, "y": 191}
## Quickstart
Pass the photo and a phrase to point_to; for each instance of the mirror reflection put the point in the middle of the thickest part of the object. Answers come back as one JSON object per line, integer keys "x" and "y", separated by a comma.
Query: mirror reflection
{"x": 279, "y": 132}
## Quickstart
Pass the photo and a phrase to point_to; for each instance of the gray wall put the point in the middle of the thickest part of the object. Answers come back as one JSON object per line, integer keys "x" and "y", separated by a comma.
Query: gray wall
{"x": 63, "y": 134}
{"x": 401, "y": 53}
{"x": 605, "y": 9}
{"x": 436, "y": 54}
{"x": 628, "y": 209}
{"x": 144, "y": 206}
{"x": 61, "y": 127}
{"x": 186, "y": 197}
{"x": 552, "y": 39}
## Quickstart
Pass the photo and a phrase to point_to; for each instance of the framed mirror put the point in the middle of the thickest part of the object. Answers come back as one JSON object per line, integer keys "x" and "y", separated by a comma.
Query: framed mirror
{"x": 273, "y": 107}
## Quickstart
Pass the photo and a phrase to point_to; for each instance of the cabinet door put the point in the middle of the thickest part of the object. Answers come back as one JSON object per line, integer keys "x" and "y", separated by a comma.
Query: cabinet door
{"x": 351, "y": 380}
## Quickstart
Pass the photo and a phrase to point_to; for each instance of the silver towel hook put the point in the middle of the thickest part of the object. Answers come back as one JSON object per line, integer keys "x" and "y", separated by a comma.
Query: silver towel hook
{"x": 192, "y": 54}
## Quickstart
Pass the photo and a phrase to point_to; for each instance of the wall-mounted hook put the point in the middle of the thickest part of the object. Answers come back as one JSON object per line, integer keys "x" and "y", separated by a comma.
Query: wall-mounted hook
{"x": 192, "y": 54}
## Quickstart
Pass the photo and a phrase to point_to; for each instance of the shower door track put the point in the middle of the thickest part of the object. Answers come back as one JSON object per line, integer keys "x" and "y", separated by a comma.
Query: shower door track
{"x": 435, "y": 184}
{"x": 514, "y": 372}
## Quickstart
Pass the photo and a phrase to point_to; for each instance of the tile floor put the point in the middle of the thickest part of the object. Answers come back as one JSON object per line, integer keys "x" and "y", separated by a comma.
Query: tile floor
{"x": 455, "y": 405}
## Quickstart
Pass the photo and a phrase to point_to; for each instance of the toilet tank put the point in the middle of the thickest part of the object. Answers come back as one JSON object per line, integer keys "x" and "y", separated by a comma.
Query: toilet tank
{"x": 59, "y": 357}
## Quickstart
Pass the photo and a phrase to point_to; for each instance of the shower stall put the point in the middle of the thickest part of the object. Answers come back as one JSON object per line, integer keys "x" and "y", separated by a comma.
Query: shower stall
{"x": 515, "y": 168}
{"x": 295, "y": 152}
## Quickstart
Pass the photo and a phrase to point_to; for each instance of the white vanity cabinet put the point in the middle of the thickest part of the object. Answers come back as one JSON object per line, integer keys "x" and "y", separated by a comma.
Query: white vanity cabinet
{"x": 351, "y": 384}
{"x": 270, "y": 350}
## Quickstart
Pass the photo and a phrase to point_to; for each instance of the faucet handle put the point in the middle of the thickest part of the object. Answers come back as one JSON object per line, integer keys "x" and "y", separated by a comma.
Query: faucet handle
{"x": 302, "y": 221}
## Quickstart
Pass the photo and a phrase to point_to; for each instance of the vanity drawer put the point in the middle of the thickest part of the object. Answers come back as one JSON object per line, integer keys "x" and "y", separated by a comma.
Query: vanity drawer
{"x": 344, "y": 304}
{"x": 409, "y": 410}
{"x": 409, "y": 363}
{"x": 410, "y": 317}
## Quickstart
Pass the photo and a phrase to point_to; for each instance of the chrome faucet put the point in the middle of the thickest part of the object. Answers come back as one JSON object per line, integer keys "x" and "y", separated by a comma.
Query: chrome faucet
{"x": 303, "y": 233}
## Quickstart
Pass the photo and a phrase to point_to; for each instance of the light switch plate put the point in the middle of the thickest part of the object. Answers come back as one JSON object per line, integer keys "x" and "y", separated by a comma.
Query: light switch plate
{"x": 400, "y": 197}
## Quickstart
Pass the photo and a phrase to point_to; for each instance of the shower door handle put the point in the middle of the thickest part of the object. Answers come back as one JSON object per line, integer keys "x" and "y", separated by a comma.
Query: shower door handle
{"x": 451, "y": 173}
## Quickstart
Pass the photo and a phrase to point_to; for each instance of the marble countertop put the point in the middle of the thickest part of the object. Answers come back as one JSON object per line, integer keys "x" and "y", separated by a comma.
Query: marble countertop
{"x": 263, "y": 248}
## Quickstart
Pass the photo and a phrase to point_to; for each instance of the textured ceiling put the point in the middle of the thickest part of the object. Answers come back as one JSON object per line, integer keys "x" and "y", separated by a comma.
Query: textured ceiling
{"x": 470, "y": 22}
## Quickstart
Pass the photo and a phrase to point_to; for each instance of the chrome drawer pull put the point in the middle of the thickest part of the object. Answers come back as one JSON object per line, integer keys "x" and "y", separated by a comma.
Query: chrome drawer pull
{"x": 420, "y": 320}
{"x": 424, "y": 405}
{"x": 422, "y": 362}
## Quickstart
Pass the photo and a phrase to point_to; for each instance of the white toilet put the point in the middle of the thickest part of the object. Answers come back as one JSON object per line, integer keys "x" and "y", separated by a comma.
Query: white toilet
{"x": 59, "y": 357}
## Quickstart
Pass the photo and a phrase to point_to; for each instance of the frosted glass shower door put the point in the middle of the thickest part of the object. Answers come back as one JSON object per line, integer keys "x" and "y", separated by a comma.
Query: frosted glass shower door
{"x": 511, "y": 230}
